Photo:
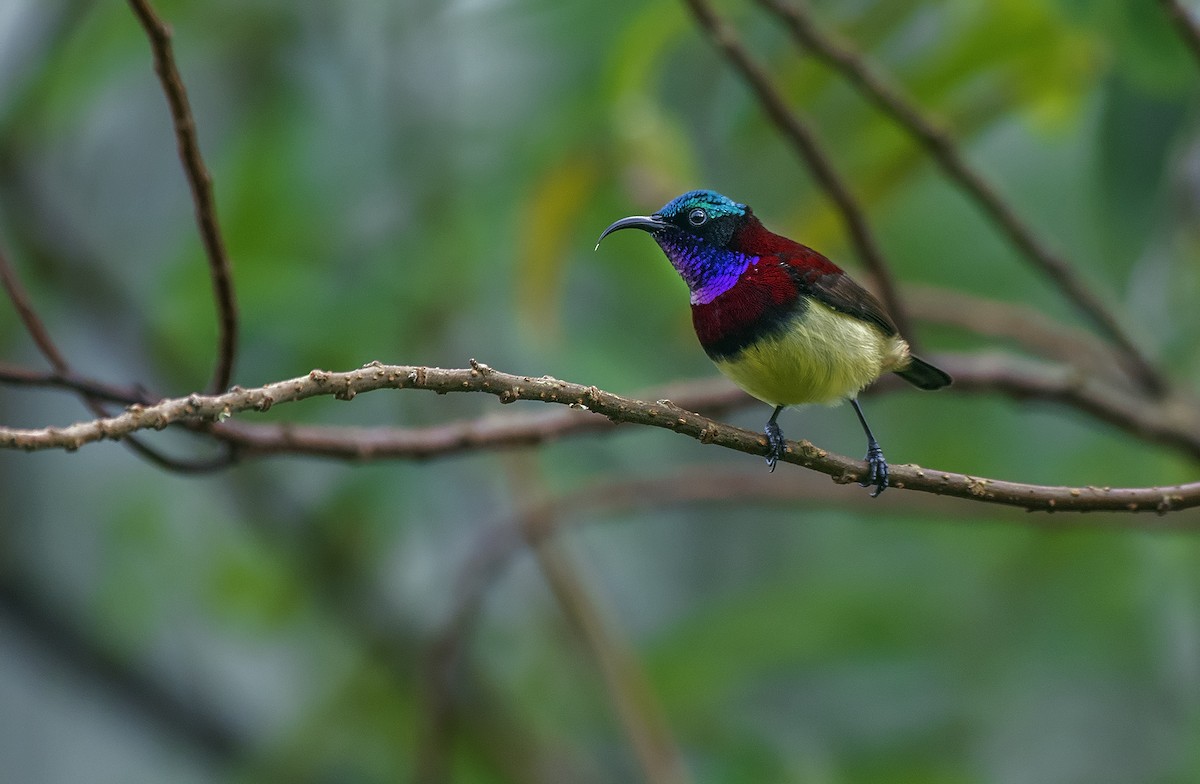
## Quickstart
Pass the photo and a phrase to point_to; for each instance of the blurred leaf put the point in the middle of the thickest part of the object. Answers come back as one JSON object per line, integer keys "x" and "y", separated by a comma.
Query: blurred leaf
{"x": 255, "y": 587}
{"x": 548, "y": 226}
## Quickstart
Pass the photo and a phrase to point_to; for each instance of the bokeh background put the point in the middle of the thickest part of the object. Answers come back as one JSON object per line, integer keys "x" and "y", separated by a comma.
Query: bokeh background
{"x": 422, "y": 182}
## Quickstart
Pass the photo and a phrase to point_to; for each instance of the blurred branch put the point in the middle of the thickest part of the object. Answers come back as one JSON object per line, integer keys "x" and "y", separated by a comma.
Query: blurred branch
{"x": 1188, "y": 28}
{"x": 98, "y": 390}
{"x": 338, "y": 580}
{"x": 198, "y": 409}
{"x": 1016, "y": 323}
{"x": 638, "y": 708}
{"x": 179, "y": 465}
{"x": 200, "y": 183}
{"x": 442, "y": 666}
{"x": 29, "y": 318}
{"x": 61, "y": 638}
{"x": 804, "y": 141}
{"x": 939, "y": 144}
{"x": 639, "y": 713}
{"x": 497, "y": 545}
{"x": 1173, "y": 421}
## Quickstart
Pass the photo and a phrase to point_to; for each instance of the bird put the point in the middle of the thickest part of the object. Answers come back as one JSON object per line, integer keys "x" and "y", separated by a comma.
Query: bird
{"x": 779, "y": 319}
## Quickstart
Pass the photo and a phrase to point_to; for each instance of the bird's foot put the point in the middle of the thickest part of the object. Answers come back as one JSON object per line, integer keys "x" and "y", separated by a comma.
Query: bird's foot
{"x": 877, "y": 469}
{"x": 775, "y": 444}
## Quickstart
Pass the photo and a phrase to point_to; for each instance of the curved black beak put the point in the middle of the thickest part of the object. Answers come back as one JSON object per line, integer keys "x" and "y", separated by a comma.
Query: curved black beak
{"x": 650, "y": 223}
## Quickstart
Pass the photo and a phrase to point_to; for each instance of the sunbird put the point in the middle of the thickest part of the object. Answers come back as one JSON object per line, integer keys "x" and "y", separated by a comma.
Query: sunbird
{"x": 783, "y": 322}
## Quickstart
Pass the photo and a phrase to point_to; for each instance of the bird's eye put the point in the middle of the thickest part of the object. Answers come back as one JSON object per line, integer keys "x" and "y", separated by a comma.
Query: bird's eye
{"x": 697, "y": 217}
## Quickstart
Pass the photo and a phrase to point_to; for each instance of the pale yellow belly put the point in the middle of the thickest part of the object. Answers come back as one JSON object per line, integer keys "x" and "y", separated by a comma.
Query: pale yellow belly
{"x": 824, "y": 357}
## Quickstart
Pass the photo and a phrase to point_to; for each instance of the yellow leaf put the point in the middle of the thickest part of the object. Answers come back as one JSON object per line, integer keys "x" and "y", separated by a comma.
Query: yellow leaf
{"x": 548, "y": 221}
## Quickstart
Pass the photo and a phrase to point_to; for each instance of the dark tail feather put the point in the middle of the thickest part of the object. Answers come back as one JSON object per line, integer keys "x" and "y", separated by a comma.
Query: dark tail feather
{"x": 923, "y": 375}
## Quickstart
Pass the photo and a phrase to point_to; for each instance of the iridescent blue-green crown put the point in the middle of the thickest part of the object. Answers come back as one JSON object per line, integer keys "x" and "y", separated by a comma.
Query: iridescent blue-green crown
{"x": 714, "y": 203}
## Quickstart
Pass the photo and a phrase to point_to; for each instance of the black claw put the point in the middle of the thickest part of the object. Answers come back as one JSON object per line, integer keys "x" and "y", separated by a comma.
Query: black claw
{"x": 775, "y": 442}
{"x": 877, "y": 470}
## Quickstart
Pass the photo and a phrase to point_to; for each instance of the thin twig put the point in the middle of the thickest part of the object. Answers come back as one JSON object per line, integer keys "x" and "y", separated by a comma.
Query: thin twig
{"x": 89, "y": 387}
{"x": 804, "y": 140}
{"x": 195, "y": 466}
{"x": 200, "y": 183}
{"x": 664, "y": 414}
{"x": 941, "y": 146}
{"x": 29, "y": 317}
{"x": 1185, "y": 23}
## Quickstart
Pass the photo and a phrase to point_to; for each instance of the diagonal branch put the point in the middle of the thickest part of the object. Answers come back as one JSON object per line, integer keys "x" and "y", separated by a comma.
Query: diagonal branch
{"x": 29, "y": 317}
{"x": 798, "y": 132}
{"x": 939, "y": 144}
{"x": 200, "y": 183}
{"x": 1018, "y": 324}
{"x": 198, "y": 409}
{"x": 635, "y": 702}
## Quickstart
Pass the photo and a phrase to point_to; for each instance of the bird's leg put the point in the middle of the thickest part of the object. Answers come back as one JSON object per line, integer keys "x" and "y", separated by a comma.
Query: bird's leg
{"x": 877, "y": 467}
{"x": 775, "y": 440}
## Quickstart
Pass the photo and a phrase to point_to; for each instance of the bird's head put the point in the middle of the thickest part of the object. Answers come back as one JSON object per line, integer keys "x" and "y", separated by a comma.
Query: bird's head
{"x": 694, "y": 218}
{"x": 698, "y": 231}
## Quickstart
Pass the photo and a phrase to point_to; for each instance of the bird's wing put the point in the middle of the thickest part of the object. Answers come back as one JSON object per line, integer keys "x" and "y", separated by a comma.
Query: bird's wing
{"x": 841, "y": 293}
{"x": 821, "y": 279}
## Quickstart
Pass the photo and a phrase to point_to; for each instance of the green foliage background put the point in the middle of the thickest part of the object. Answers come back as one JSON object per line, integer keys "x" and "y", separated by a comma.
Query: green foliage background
{"x": 422, "y": 182}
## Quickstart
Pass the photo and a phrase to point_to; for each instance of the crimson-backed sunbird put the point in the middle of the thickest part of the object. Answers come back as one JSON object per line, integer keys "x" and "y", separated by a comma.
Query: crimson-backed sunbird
{"x": 782, "y": 321}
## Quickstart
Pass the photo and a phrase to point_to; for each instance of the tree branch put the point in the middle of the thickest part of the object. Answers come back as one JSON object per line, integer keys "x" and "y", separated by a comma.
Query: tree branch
{"x": 636, "y": 705}
{"x": 1175, "y": 423}
{"x": 200, "y": 183}
{"x": 804, "y": 141}
{"x": 688, "y": 486}
{"x": 711, "y": 396}
{"x": 1018, "y": 324}
{"x": 941, "y": 147}
{"x": 497, "y": 545}
{"x": 29, "y": 317}
{"x": 88, "y": 387}
{"x": 508, "y": 387}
